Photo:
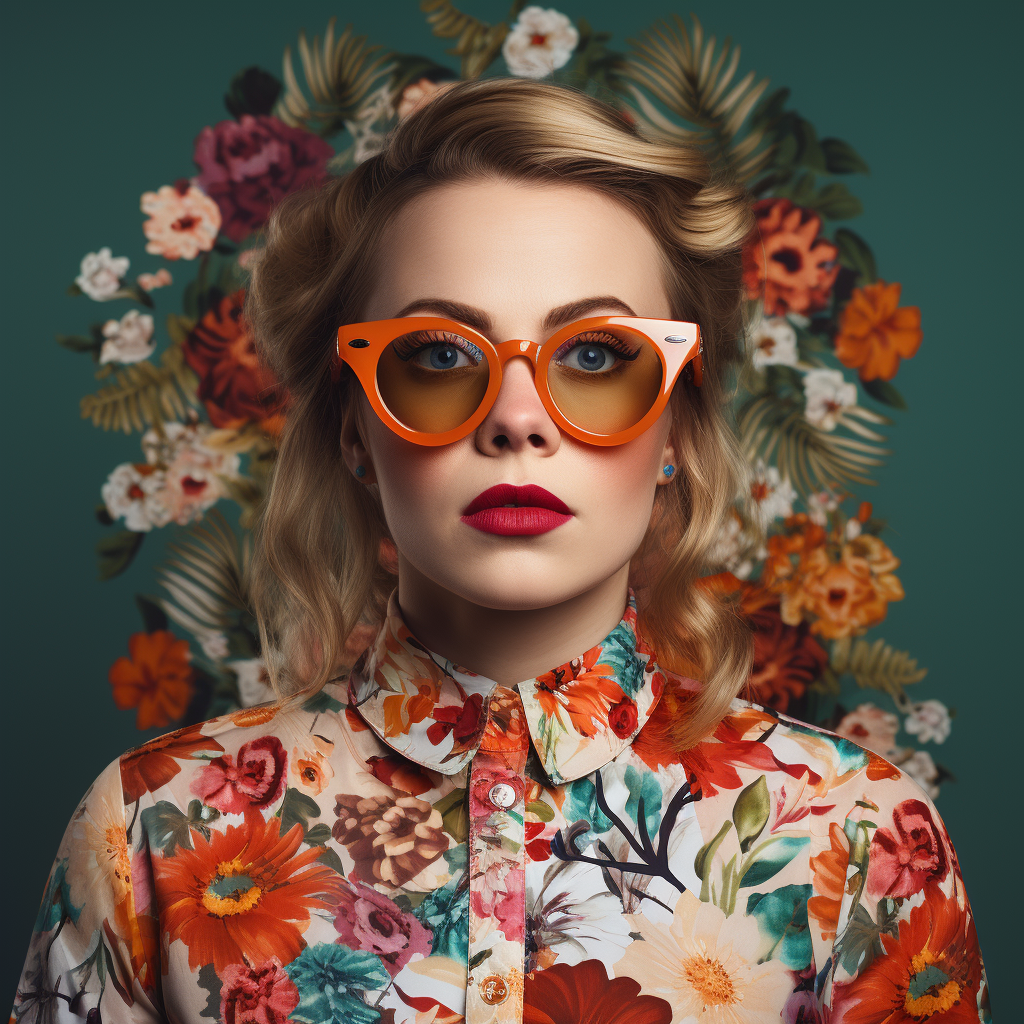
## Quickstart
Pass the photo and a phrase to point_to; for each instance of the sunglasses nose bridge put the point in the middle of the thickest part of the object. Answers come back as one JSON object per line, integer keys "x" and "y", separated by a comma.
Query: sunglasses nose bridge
{"x": 516, "y": 347}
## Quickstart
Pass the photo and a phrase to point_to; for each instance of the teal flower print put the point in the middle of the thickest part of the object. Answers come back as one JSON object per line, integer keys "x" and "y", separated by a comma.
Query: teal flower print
{"x": 331, "y": 981}
{"x": 446, "y": 913}
{"x": 56, "y": 904}
{"x": 582, "y": 802}
{"x": 619, "y": 652}
{"x": 782, "y": 920}
{"x": 643, "y": 784}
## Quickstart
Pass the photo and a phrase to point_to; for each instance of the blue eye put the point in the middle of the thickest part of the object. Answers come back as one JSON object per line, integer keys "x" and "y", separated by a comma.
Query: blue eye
{"x": 437, "y": 350}
{"x": 589, "y": 357}
{"x": 441, "y": 357}
{"x": 594, "y": 352}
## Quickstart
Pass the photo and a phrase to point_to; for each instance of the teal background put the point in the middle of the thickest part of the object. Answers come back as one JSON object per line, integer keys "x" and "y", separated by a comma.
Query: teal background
{"x": 103, "y": 102}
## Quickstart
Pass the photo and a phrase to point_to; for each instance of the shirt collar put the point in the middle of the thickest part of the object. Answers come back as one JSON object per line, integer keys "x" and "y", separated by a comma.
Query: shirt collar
{"x": 580, "y": 715}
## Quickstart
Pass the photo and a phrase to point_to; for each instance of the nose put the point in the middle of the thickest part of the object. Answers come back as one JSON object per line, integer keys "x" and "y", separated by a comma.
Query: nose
{"x": 518, "y": 420}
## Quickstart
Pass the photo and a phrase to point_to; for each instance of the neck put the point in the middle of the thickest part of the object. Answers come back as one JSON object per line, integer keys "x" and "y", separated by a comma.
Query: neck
{"x": 508, "y": 644}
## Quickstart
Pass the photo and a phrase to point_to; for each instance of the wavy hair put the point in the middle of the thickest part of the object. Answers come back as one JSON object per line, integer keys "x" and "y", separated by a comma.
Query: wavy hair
{"x": 317, "y": 571}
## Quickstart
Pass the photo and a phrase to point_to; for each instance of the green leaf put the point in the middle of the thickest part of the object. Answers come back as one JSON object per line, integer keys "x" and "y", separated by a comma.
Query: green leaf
{"x": 539, "y": 809}
{"x": 322, "y": 702}
{"x": 167, "y": 827}
{"x": 179, "y": 327}
{"x": 478, "y": 958}
{"x": 103, "y": 516}
{"x": 252, "y": 91}
{"x": 750, "y": 812}
{"x": 455, "y": 814}
{"x": 702, "y": 862}
{"x": 116, "y": 552}
{"x": 209, "y": 981}
{"x": 859, "y": 943}
{"x": 842, "y": 158}
{"x": 79, "y": 343}
{"x": 332, "y": 860}
{"x": 319, "y": 834}
{"x": 296, "y": 809}
{"x": 855, "y": 253}
{"x": 836, "y": 202}
{"x": 809, "y": 151}
{"x": 782, "y": 920}
{"x": 780, "y": 850}
{"x": 153, "y": 616}
{"x": 74, "y": 290}
{"x": 883, "y": 391}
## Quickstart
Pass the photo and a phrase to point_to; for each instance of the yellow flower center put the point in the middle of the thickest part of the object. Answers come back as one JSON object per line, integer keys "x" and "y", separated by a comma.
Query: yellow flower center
{"x": 931, "y": 990}
{"x": 231, "y": 891}
{"x": 711, "y": 980}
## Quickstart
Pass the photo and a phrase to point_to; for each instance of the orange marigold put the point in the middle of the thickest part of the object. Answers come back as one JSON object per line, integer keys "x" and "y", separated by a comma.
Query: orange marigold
{"x": 156, "y": 678}
{"x": 786, "y": 261}
{"x": 875, "y": 332}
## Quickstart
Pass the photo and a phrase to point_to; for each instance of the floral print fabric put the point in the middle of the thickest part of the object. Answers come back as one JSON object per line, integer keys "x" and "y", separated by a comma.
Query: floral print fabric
{"x": 425, "y": 846}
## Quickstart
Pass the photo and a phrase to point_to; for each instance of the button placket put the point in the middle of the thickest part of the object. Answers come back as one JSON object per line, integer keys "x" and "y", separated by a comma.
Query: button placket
{"x": 497, "y": 867}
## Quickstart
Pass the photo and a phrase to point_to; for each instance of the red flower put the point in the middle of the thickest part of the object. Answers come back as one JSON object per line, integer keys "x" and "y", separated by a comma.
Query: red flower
{"x": 901, "y": 864}
{"x": 931, "y": 972}
{"x": 584, "y": 994}
{"x": 461, "y": 720}
{"x": 234, "y": 385}
{"x": 249, "y": 165}
{"x": 582, "y": 690}
{"x": 155, "y": 763}
{"x": 400, "y": 773}
{"x": 156, "y": 678}
{"x": 257, "y": 995}
{"x": 484, "y": 779}
{"x": 537, "y": 847}
{"x": 622, "y": 717}
{"x": 255, "y": 780}
{"x": 786, "y": 261}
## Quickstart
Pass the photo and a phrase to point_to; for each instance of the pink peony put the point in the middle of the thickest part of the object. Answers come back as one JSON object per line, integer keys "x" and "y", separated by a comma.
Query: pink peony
{"x": 255, "y": 779}
{"x": 900, "y": 863}
{"x": 368, "y": 920}
{"x": 257, "y": 995}
{"x": 249, "y": 165}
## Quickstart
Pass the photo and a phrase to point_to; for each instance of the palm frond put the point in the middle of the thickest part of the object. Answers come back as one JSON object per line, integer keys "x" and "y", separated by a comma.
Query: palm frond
{"x": 340, "y": 74}
{"x": 144, "y": 395}
{"x": 206, "y": 577}
{"x": 477, "y": 42}
{"x": 812, "y": 459}
{"x": 876, "y": 666}
{"x": 696, "y": 80}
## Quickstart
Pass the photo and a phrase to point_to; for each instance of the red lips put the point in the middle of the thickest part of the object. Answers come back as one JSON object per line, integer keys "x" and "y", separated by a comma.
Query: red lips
{"x": 511, "y": 511}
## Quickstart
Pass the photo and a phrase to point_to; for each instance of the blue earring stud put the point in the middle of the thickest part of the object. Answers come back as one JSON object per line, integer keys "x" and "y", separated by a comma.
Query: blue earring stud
{"x": 360, "y": 471}
{"x": 669, "y": 470}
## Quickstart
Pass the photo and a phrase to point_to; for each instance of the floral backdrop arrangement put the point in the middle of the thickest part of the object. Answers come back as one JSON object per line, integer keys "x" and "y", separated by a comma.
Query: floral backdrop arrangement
{"x": 804, "y": 555}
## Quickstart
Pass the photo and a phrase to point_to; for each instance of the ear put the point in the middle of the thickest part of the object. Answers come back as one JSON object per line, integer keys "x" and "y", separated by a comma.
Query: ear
{"x": 669, "y": 457}
{"x": 353, "y": 449}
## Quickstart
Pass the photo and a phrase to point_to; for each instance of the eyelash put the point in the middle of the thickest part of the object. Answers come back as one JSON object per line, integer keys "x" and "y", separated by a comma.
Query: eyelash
{"x": 410, "y": 345}
{"x": 617, "y": 345}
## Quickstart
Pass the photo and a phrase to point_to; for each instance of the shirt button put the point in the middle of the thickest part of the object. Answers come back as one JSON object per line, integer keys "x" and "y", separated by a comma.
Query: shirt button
{"x": 502, "y": 795}
{"x": 493, "y": 989}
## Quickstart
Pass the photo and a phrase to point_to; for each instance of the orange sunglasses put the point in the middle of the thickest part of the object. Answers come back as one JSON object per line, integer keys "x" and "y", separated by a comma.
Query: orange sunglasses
{"x": 603, "y": 380}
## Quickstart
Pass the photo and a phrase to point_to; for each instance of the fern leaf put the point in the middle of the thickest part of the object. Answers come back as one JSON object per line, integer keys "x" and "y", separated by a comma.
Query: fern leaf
{"x": 876, "y": 666}
{"x": 694, "y": 79}
{"x": 340, "y": 74}
{"x": 477, "y": 42}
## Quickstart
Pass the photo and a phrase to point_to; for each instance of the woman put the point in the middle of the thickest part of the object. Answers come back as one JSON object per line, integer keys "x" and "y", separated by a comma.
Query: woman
{"x": 536, "y": 797}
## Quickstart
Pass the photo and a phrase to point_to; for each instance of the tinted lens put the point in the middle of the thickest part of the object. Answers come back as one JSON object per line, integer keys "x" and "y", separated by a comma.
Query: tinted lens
{"x": 432, "y": 381}
{"x": 605, "y": 380}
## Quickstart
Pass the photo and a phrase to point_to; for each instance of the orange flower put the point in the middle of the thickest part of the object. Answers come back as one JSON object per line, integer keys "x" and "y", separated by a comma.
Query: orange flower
{"x": 155, "y": 763}
{"x": 829, "y": 872}
{"x": 786, "y": 261}
{"x": 402, "y": 710}
{"x": 155, "y": 678}
{"x": 244, "y": 892}
{"x": 875, "y": 332}
{"x": 581, "y": 690}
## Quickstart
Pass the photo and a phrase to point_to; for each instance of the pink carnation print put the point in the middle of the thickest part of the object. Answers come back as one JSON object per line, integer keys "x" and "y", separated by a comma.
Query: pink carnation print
{"x": 255, "y": 778}
{"x": 904, "y": 858}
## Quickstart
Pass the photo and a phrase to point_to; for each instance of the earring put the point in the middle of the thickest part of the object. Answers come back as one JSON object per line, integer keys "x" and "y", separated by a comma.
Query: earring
{"x": 669, "y": 470}
{"x": 360, "y": 471}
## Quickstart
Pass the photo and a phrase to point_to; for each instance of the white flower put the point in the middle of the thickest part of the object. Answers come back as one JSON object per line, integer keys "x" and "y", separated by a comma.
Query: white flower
{"x": 770, "y": 495}
{"x": 819, "y": 504}
{"x": 929, "y": 720}
{"x": 853, "y": 529}
{"x": 872, "y": 728}
{"x": 253, "y": 682}
{"x": 101, "y": 274}
{"x": 922, "y": 769}
{"x": 136, "y": 494}
{"x": 828, "y": 396}
{"x": 368, "y": 141}
{"x": 214, "y": 645}
{"x": 772, "y": 340}
{"x": 540, "y": 41}
{"x": 730, "y": 551}
{"x": 128, "y": 340}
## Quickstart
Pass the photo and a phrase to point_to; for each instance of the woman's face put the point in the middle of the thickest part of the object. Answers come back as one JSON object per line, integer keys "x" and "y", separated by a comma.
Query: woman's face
{"x": 516, "y": 261}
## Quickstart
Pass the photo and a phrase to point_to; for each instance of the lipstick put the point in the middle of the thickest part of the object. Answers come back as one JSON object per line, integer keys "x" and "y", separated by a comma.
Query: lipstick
{"x": 511, "y": 511}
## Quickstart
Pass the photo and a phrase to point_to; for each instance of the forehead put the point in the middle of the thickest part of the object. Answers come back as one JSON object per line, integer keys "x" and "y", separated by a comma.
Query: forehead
{"x": 514, "y": 248}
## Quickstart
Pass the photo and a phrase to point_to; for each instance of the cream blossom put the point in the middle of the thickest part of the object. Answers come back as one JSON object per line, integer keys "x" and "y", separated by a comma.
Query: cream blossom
{"x": 929, "y": 720}
{"x": 828, "y": 396}
{"x": 819, "y": 504}
{"x": 183, "y": 221}
{"x": 101, "y": 273}
{"x": 419, "y": 94}
{"x": 135, "y": 492}
{"x": 214, "y": 645}
{"x": 731, "y": 549}
{"x": 770, "y": 495}
{"x": 539, "y": 42}
{"x": 706, "y": 966}
{"x": 772, "y": 340}
{"x": 871, "y": 727}
{"x": 147, "y": 282}
{"x": 128, "y": 340}
{"x": 918, "y": 764}
{"x": 253, "y": 681}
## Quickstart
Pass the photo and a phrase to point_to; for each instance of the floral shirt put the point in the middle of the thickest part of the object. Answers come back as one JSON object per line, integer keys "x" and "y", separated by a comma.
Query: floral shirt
{"x": 424, "y": 846}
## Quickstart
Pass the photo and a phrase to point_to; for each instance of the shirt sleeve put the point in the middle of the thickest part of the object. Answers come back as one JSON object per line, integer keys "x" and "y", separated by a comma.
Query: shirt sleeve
{"x": 94, "y": 951}
{"x": 905, "y": 942}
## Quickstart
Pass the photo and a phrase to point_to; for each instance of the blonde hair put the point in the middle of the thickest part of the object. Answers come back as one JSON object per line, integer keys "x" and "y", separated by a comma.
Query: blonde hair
{"x": 317, "y": 571}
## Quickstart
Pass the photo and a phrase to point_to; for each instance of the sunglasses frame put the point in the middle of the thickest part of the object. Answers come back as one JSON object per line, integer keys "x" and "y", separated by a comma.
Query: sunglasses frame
{"x": 677, "y": 342}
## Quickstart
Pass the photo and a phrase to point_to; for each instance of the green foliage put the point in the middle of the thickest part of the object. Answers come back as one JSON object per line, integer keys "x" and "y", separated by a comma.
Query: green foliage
{"x": 455, "y": 813}
{"x": 883, "y": 391}
{"x": 478, "y": 43}
{"x": 875, "y": 665}
{"x": 855, "y": 254}
{"x": 252, "y": 91}
{"x": 842, "y": 158}
{"x": 168, "y": 827}
{"x": 750, "y": 812}
{"x": 116, "y": 552}
{"x": 153, "y": 616}
{"x": 296, "y": 809}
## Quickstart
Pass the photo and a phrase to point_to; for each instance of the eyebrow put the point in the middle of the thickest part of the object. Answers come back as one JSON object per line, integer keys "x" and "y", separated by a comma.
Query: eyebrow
{"x": 480, "y": 321}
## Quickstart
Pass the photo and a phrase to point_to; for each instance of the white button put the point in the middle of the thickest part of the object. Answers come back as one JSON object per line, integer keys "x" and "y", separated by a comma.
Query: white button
{"x": 502, "y": 795}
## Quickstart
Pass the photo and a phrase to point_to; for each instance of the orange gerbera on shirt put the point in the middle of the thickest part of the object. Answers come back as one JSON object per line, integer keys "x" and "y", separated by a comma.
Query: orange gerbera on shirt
{"x": 244, "y": 893}
{"x": 875, "y": 332}
{"x": 156, "y": 678}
